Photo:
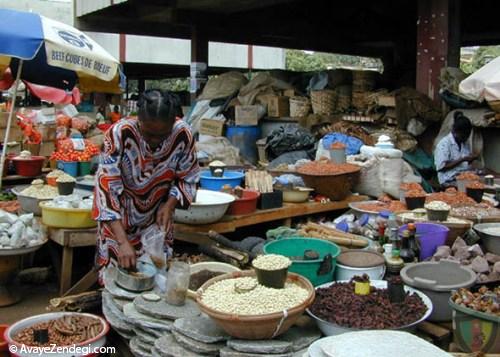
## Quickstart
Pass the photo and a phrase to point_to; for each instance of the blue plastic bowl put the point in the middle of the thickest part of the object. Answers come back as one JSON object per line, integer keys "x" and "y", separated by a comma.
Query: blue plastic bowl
{"x": 70, "y": 167}
{"x": 231, "y": 178}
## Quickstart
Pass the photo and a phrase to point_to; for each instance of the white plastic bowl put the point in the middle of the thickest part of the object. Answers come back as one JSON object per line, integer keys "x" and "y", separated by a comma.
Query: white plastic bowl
{"x": 332, "y": 329}
{"x": 209, "y": 207}
{"x": 96, "y": 342}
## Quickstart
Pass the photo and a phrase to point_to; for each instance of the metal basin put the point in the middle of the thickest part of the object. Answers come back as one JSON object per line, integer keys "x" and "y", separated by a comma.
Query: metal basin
{"x": 209, "y": 207}
{"x": 491, "y": 242}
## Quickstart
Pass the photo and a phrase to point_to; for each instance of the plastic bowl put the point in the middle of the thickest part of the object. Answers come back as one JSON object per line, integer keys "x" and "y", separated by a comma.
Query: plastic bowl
{"x": 65, "y": 188}
{"x": 475, "y": 193}
{"x": 298, "y": 195}
{"x": 231, "y": 178}
{"x": 246, "y": 204}
{"x": 256, "y": 327}
{"x": 430, "y": 236}
{"x": 415, "y": 202}
{"x": 96, "y": 342}
{"x": 332, "y": 329}
{"x": 211, "y": 266}
{"x": 209, "y": 207}
{"x": 272, "y": 278}
{"x": 29, "y": 167}
{"x": 28, "y": 204}
{"x": 66, "y": 217}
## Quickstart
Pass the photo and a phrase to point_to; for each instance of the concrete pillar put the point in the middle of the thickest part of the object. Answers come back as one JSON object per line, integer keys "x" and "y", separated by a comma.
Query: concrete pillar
{"x": 199, "y": 54}
{"x": 438, "y": 42}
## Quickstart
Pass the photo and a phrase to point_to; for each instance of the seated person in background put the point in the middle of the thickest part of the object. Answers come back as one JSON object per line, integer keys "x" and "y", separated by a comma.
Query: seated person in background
{"x": 115, "y": 115}
{"x": 453, "y": 154}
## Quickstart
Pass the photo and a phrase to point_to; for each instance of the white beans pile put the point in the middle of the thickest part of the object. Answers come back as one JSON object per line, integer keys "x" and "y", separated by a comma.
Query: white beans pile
{"x": 438, "y": 206}
{"x": 223, "y": 297}
{"x": 271, "y": 262}
{"x": 38, "y": 190}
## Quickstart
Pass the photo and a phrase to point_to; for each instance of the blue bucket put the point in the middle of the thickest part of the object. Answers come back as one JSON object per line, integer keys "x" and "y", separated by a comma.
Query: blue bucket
{"x": 70, "y": 167}
{"x": 245, "y": 139}
{"x": 231, "y": 178}
{"x": 430, "y": 236}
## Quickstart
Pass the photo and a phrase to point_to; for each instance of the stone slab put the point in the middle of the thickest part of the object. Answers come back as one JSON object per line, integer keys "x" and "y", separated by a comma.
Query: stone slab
{"x": 146, "y": 336}
{"x": 162, "y": 310}
{"x": 301, "y": 338}
{"x": 145, "y": 321}
{"x": 137, "y": 350}
{"x": 167, "y": 346}
{"x": 151, "y": 332}
{"x": 211, "y": 349}
{"x": 113, "y": 315}
{"x": 260, "y": 346}
{"x": 229, "y": 352}
{"x": 200, "y": 328}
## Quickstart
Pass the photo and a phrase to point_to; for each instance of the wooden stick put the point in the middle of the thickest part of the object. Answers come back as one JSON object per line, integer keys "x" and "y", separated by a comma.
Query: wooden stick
{"x": 337, "y": 240}
{"x": 333, "y": 231}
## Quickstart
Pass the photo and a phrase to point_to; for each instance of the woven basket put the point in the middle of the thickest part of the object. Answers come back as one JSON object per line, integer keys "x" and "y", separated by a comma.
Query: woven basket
{"x": 344, "y": 102}
{"x": 363, "y": 81}
{"x": 495, "y": 106}
{"x": 361, "y": 100}
{"x": 323, "y": 101}
{"x": 299, "y": 107}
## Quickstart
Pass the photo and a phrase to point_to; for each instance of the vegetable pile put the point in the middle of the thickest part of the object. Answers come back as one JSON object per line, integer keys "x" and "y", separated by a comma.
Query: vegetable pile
{"x": 66, "y": 151}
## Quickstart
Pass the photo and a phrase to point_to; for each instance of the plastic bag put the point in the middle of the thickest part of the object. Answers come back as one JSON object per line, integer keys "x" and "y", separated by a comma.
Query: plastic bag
{"x": 153, "y": 244}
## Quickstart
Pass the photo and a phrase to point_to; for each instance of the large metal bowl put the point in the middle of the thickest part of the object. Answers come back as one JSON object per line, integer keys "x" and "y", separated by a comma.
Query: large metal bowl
{"x": 209, "y": 207}
{"x": 332, "y": 329}
{"x": 491, "y": 242}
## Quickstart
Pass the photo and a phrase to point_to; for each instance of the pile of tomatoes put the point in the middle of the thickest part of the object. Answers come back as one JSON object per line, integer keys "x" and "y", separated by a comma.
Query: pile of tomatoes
{"x": 66, "y": 151}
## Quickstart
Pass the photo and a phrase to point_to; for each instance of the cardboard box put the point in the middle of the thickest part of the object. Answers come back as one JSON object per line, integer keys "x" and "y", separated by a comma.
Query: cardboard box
{"x": 289, "y": 93}
{"x": 247, "y": 115}
{"x": 4, "y": 116}
{"x": 278, "y": 107}
{"x": 16, "y": 134}
{"x": 212, "y": 127}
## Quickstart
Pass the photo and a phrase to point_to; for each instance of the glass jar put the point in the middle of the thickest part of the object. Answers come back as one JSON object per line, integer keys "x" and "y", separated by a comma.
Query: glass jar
{"x": 177, "y": 283}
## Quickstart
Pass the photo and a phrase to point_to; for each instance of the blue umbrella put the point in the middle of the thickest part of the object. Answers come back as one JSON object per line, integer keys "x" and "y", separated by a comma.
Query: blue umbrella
{"x": 47, "y": 52}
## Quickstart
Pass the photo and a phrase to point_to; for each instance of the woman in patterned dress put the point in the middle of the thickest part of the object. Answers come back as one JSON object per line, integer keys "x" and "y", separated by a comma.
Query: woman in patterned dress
{"x": 148, "y": 167}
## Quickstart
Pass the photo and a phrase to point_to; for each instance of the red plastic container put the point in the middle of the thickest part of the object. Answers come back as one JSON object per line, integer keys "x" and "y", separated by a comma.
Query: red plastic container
{"x": 246, "y": 204}
{"x": 29, "y": 167}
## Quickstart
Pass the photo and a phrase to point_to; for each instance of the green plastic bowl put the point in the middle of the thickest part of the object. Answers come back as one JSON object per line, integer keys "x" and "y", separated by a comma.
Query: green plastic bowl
{"x": 296, "y": 246}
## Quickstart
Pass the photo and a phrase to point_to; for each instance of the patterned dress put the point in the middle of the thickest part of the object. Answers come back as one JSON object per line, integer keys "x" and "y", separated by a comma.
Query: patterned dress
{"x": 133, "y": 181}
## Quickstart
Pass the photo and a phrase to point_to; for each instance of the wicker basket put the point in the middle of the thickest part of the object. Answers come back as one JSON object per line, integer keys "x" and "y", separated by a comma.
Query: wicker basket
{"x": 363, "y": 81}
{"x": 299, "y": 107}
{"x": 335, "y": 187}
{"x": 256, "y": 327}
{"x": 361, "y": 100}
{"x": 323, "y": 101}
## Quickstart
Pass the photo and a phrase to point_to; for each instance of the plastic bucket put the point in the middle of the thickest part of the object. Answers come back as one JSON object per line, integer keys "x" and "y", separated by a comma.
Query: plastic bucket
{"x": 29, "y": 167}
{"x": 310, "y": 269}
{"x": 245, "y": 139}
{"x": 70, "y": 167}
{"x": 212, "y": 183}
{"x": 244, "y": 205}
{"x": 84, "y": 168}
{"x": 430, "y": 236}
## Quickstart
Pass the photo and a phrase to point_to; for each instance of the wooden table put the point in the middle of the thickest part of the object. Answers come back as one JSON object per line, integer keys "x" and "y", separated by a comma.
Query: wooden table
{"x": 196, "y": 233}
{"x": 69, "y": 239}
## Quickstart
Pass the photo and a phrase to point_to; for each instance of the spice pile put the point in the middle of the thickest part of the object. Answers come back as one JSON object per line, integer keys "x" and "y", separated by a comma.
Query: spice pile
{"x": 452, "y": 197}
{"x": 411, "y": 186}
{"x": 65, "y": 331}
{"x": 384, "y": 203}
{"x": 478, "y": 210}
{"x": 485, "y": 300}
{"x": 224, "y": 297}
{"x": 415, "y": 193}
{"x": 199, "y": 278}
{"x": 475, "y": 185}
{"x": 326, "y": 168}
{"x": 340, "y": 305}
{"x": 468, "y": 176}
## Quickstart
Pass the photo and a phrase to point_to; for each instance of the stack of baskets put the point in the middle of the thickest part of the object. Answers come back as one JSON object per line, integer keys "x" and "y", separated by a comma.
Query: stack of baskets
{"x": 299, "y": 107}
{"x": 344, "y": 98}
{"x": 363, "y": 84}
{"x": 324, "y": 102}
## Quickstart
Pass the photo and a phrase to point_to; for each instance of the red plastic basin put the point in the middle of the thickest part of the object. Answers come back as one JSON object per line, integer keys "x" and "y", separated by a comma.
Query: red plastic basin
{"x": 246, "y": 204}
{"x": 3, "y": 343}
{"x": 29, "y": 167}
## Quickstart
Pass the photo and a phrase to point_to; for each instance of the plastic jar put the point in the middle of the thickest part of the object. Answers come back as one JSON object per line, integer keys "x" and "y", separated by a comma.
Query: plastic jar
{"x": 177, "y": 283}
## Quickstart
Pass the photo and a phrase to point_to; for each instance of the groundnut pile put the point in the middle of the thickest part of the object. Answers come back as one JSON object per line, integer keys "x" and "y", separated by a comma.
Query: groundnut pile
{"x": 65, "y": 331}
{"x": 224, "y": 297}
{"x": 271, "y": 262}
{"x": 469, "y": 176}
{"x": 339, "y": 304}
{"x": 484, "y": 300}
{"x": 326, "y": 168}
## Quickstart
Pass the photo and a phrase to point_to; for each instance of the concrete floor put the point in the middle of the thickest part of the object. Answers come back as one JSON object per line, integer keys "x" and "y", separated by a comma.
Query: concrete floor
{"x": 35, "y": 299}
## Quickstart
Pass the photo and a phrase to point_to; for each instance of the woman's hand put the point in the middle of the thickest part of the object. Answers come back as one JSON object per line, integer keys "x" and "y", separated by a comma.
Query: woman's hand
{"x": 165, "y": 214}
{"x": 126, "y": 255}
